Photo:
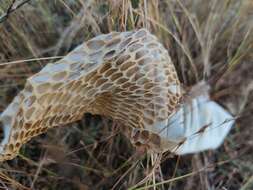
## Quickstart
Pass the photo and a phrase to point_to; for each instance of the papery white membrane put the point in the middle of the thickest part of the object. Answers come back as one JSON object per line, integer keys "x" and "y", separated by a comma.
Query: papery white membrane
{"x": 197, "y": 126}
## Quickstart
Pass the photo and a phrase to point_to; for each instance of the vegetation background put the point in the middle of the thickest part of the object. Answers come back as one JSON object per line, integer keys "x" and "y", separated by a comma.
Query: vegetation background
{"x": 207, "y": 39}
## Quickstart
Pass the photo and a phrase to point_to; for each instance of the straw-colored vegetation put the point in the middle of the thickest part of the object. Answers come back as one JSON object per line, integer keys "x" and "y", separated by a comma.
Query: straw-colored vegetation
{"x": 211, "y": 40}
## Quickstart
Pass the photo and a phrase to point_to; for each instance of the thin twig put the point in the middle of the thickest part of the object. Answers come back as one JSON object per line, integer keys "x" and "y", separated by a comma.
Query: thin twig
{"x": 11, "y": 9}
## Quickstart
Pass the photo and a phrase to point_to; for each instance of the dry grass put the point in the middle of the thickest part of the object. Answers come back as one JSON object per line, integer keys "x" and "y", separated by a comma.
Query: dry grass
{"x": 211, "y": 40}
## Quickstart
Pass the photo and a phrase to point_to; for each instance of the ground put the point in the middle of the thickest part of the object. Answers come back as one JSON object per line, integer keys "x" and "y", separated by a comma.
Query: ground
{"x": 211, "y": 40}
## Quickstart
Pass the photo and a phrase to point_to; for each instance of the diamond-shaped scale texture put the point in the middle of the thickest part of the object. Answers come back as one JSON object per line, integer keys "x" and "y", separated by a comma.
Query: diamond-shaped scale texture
{"x": 127, "y": 76}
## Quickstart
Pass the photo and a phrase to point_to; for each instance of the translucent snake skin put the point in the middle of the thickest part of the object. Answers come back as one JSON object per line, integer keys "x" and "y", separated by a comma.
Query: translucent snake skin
{"x": 126, "y": 76}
